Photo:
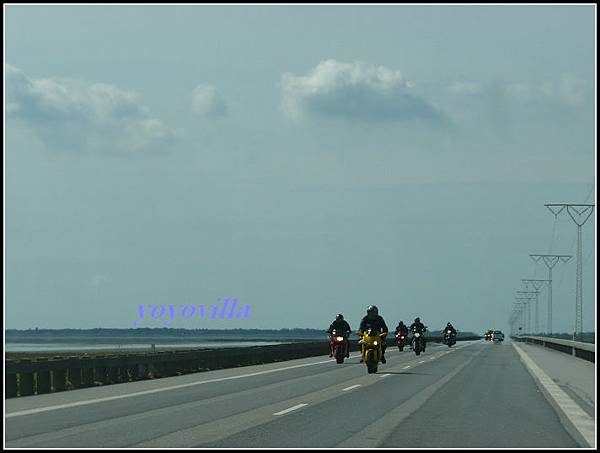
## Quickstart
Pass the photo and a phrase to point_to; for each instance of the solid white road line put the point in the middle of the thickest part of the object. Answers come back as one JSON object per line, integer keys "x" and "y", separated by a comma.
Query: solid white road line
{"x": 584, "y": 424}
{"x": 293, "y": 408}
{"x": 351, "y": 387}
{"x": 384, "y": 375}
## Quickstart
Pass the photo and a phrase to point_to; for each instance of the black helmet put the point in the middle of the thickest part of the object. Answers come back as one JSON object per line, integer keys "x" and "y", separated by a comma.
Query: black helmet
{"x": 449, "y": 323}
{"x": 339, "y": 317}
{"x": 417, "y": 319}
{"x": 372, "y": 309}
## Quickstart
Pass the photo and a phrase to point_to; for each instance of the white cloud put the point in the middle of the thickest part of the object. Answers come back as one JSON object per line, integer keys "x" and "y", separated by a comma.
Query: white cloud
{"x": 528, "y": 92}
{"x": 99, "y": 280}
{"x": 465, "y": 88}
{"x": 356, "y": 91}
{"x": 206, "y": 101}
{"x": 71, "y": 113}
{"x": 571, "y": 89}
{"x": 568, "y": 89}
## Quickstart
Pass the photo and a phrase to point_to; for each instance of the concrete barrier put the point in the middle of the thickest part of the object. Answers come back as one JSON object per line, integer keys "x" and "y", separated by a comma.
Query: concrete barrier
{"x": 10, "y": 385}
{"x": 87, "y": 373}
{"x": 59, "y": 377}
{"x": 585, "y": 351}
{"x": 39, "y": 376}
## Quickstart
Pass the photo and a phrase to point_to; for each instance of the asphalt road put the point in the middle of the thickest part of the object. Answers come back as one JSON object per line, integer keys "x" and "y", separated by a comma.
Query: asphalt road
{"x": 475, "y": 394}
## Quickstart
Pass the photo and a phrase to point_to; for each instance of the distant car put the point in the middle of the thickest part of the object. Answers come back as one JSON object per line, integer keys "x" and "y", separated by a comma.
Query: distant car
{"x": 488, "y": 335}
{"x": 497, "y": 335}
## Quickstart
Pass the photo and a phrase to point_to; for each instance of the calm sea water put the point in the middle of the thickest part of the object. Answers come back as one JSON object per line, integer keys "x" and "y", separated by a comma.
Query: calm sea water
{"x": 75, "y": 347}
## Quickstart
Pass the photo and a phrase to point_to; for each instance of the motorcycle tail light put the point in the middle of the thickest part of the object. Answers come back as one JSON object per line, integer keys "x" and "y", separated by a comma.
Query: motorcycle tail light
{"x": 340, "y": 338}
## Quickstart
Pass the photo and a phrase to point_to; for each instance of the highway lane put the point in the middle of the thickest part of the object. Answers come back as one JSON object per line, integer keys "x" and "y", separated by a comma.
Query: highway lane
{"x": 499, "y": 404}
{"x": 306, "y": 403}
{"x": 475, "y": 381}
{"x": 257, "y": 386}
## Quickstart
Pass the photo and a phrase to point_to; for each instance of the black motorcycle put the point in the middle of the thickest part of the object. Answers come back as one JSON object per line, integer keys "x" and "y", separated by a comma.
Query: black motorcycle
{"x": 418, "y": 342}
{"x": 449, "y": 338}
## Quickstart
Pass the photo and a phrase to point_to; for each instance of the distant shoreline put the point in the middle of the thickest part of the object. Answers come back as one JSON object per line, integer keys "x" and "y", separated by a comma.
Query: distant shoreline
{"x": 160, "y": 335}
{"x": 51, "y": 349}
{"x": 166, "y": 335}
{"x": 172, "y": 332}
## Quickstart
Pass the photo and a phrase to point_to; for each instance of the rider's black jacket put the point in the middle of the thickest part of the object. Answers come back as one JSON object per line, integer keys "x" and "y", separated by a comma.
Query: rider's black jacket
{"x": 418, "y": 326}
{"x": 402, "y": 329}
{"x": 452, "y": 330}
{"x": 377, "y": 323}
{"x": 340, "y": 326}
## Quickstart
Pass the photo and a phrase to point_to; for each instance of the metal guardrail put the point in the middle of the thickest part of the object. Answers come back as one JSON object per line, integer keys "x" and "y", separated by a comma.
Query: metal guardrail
{"x": 586, "y": 351}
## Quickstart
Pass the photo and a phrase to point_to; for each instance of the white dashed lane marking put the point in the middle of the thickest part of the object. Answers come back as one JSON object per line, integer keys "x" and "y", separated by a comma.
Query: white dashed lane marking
{"x": 158, "y": 390}
{"x": 293, "y": 408}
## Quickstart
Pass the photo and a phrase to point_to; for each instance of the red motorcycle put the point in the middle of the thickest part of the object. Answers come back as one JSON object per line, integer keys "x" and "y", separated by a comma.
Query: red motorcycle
{"x": 338, "y": 343}
{"x": 401, "y": 340}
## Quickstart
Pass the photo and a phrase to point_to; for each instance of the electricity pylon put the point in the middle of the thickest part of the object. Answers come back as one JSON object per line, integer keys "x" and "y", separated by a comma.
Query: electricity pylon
{"x": 517, "y": 312}
{"x": 512, "y": 319}
{"x": 521, "y": 306}
{"x": 550, "y": 261}
{"x": 579, "y": 213}
{"x": 537, "y": 284}
{"x": 527, "y": 296}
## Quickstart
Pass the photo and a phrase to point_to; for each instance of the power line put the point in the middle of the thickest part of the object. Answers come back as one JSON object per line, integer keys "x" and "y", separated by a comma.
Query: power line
{"x": 553, "y": 234}
{"x": 572, "y": 248}
{"x": 587, "y": 258}
{"x": 589, "y": 194}
{"x": 550, "y": 261}
{"x": 579, "y": 214}
{"x": 537, "y": 285}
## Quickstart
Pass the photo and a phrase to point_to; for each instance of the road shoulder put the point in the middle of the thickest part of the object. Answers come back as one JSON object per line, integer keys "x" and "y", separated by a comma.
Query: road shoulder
{"x": 575, "y": 420}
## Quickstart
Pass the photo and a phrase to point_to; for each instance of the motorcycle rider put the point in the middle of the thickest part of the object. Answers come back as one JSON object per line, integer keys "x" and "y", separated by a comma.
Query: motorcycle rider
{"x": 449, "y": 327}
{"x": 340, "y": 325}
{"x": 418, "y": 326}
{"x": 401, "y": 327}
{"x": 373, "y": 321}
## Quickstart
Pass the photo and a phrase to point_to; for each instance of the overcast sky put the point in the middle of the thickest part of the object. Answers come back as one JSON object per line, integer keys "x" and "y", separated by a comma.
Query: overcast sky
{"x": 306, "y": 160}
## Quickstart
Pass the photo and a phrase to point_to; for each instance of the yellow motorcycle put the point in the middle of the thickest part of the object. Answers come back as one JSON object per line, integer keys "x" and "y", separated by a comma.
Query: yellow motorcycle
{"x": 371, "y": 348}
